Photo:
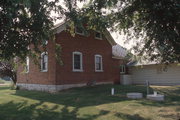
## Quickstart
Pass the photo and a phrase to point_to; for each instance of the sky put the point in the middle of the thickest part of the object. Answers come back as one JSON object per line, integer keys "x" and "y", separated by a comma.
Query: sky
{"x": 120, "y": 39}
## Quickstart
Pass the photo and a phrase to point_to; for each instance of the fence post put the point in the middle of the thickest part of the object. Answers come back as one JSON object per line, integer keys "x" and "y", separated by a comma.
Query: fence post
{"x": 147, "y": 84}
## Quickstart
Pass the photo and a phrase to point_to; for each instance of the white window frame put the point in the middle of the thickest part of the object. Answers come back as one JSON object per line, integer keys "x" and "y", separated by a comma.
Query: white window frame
{"x": 42, "y": 54}
{"x": 46, "y": 42}
{"x": 97, "y": 55}
{"x": 81, "y": 62}
{"x": 27, "y": 65}
{"x": 78, "y": 32}
{"x": 123, "y": 69}
{"x": 98, "y": 37}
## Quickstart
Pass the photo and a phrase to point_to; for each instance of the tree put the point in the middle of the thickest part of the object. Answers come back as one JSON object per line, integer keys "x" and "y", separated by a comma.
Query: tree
{"x": 8, "y": 69}
{"x": 154, "y": 23}
{"x": 24, "y": 23}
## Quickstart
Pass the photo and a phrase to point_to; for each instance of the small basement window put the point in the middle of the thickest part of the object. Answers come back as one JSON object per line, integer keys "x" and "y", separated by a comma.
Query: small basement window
{"x": 98, "y": 35}
{"x": 77, "y": 62}
{"x": 123, "y": 69}
{"x": 44, "y": 62}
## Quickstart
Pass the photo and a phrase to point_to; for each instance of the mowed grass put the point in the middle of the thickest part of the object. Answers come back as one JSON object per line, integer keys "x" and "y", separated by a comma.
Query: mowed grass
{"x": 89, "y": 103}
{"x": 3, "y": 82}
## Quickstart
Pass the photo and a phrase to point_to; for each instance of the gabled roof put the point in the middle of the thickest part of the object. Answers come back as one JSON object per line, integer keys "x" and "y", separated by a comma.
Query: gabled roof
{"x": 141, "y": 63}
{"x": 118, "y": 51}
{"x": 62, "y": 26}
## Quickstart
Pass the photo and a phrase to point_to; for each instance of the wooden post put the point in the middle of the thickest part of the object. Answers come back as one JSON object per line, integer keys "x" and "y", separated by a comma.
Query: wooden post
{"x": 147, "y": 84}
{"x": 112, "y": 91}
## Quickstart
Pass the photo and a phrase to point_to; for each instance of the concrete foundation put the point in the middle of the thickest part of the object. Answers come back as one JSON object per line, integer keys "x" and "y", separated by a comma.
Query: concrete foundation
{"x": 157, "y": 97}
{"x": 134, "y": 95}
{"x": 52, "y": 88}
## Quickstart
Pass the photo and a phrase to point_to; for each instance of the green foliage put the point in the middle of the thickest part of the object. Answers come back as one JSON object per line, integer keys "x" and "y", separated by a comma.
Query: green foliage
{"x": 9, "y": 69}
{"x": 58, "y": 52}
{"x": 155, "y": 24}
{"x": 2, "y": 81}
{"x": 24, "y": 23}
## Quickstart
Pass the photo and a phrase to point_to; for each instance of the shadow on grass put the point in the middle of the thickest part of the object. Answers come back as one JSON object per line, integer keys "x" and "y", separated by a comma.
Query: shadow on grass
{"x": 20, "y": 111}
{"x": 85, "y": 96}
{"x": 4, "y": 87}
{"x": 172, "y": 97}
{"x": 130, "y": 117}
{"x": 76, "y": 99}
{"x": 24, "y": 111}
{"x": 170, "y": 115}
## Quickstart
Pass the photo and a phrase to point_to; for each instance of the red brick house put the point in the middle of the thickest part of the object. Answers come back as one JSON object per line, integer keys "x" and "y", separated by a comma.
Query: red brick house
{"x": 86, "y": 59}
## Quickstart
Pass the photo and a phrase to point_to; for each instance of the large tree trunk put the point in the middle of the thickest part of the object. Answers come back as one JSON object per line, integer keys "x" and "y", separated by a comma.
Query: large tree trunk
{"x": 14, "y": 77}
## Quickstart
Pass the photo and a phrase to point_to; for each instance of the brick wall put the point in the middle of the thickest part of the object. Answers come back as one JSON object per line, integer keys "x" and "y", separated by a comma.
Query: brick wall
{"x": 88, "y": 46}
{"x": 57, "y": 74}
{"x": 35, "y": 76}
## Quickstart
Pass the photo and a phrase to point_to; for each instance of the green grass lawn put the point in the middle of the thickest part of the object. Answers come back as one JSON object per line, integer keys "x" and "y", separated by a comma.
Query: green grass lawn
{"x": 4, "y": 82}
{"x": 88, "y": 103}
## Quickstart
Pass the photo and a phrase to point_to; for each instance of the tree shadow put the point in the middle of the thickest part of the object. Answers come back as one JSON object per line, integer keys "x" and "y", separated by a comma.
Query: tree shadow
{"x": 22, "y": 111}
{"x": 172, "y": 97}
{"x": 25, "y": 111}
{"x": 173, "y": 116}
{"x": 100, "y": 94}
{"x": 124, "y": 116}
{"x": 75, "y": 98}
{"x": 85, "y": 96}
{"x": 4, "y": 87}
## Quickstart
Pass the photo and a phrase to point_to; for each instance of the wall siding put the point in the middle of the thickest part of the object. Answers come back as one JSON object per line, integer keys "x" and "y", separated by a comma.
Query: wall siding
{"x": 150, "y": 72}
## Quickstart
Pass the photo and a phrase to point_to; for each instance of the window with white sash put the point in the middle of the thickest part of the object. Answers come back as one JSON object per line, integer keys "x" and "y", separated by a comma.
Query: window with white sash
{"x": 27, "y": 65}
{"x": 98, "y": 35}
{"x": 77, "y": 62}
{"x": 123, "y": 69}
{"x": 98, "y": 63}
{"x": 44, "y": 62}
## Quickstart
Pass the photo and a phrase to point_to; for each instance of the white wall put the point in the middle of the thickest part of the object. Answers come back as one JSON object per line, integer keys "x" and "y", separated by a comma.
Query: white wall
{"x": 155, "y": 76}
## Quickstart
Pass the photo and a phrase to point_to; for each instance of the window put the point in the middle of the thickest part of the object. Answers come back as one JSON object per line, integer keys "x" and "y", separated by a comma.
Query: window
{"x": 79, "y": 31}
{"x": 44, "y": 62}
{"x": 98, "y": 63}
{"x": 98, "y": 35}
{"x": 27, "y": 65}
{"x": 123, "y": 69}
{"x": 77, "y": 61}
{"x": 45, "y": 42}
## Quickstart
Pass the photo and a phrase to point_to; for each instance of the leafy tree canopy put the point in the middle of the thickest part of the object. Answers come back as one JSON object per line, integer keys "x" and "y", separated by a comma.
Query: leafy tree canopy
{"x": 154, "y": 23}
{"x": 24, "y": 22}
